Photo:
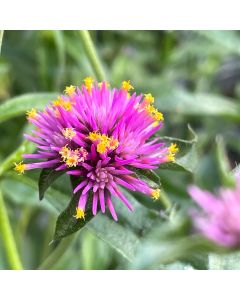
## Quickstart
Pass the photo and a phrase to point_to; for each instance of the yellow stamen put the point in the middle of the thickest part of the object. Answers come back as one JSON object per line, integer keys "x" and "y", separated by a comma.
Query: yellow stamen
{"x": 113, "y": 143}
{"x": 67, "y": 105}
{"x": 104, "y": 138}
{"x": 31, "y": 114}
{"x": 69, "y": 133}
{"x": 88, "y": 83}
{"x": 79, "y": 213}
{"x": 104, "y": 142}
{"x": 94, "y": 136}
{"x": 58, "y": 102}
{"x": 69, "y": 90}
{"x": 20, "y": 168}
{"x": 72, "y": 160}
{"x": 155, "y": 114}
{"x": 102, "y": 147}
{"x": 64, "y": 152}
{"x": 173, "y": 148}
{"x": 155, "y": 124}
{"x": 149, "y": 98}
{"x": 155, "y": 194}
{"x": 150, "y": 109}
{"x": 171, "y": 157}
{"x": 158, "y": 116}
{"x": 126, "y": 85}
{"x": 101, "y": 83}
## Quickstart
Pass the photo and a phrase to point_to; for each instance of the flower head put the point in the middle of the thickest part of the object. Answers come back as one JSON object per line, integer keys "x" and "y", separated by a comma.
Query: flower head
{"x": 101, "y": 136}
{"x": 219, "y": 220}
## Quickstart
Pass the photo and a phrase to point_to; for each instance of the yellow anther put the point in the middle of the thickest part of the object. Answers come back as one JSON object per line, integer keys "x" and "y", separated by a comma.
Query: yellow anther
{"x": 171, "y": 157}
{"x": 69, "y": 90}
{"x": 158, "y": 116}
{"x": 126, "y": 85}
{"x": 88, "y": 83}
{"x": 104, "y": 138}
{"x": 79, "y": 213}
{"x": 113, "y": 143}
{"x": 173, "y": 148}
{"x": 150, "y": 109}
{"x": 58, "y": 102}
{"x": 149, "y": 98}
{"x": 101, "y": 147}
{"x": 67, "y": 105}
{"x": 155, "y": 194}
{"x": 64, "y": 152}
{"x": 104, "y": 142}
{"x": 69, "y": 133}
{"x": 155, "y": 114}
{"x": 101, "y": 83}
{"x": 72, "y": 159}
{"x": 155, "y": 124}
{"x": 31, "y": 114}
{"x": 20, "y": 167}
{"x": 94, "y": 136}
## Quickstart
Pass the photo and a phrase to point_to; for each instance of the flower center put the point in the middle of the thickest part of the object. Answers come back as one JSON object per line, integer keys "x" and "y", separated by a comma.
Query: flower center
{"x": 101, "y": 177}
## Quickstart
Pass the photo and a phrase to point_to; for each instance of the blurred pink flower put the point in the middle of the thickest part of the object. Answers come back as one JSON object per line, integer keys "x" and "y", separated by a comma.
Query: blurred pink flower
{"x": 219, "y": 220}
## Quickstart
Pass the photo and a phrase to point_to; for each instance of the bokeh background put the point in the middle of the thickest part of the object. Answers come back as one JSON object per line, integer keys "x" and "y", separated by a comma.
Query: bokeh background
{"x": 195, "y": 78}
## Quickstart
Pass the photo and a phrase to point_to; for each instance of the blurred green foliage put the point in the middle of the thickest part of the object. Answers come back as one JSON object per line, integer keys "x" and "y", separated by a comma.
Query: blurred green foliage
{"x": 194, "y": 77}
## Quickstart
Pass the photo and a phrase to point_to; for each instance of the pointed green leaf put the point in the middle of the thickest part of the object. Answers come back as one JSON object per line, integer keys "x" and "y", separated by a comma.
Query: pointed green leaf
{"x": 17, "y": 106}
{"x": 46, "y": 178}
{"x": 186, "y": 158}
{"x": 67, "y": 223}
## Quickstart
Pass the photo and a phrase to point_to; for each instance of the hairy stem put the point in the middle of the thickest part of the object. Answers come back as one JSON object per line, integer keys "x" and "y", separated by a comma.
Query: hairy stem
{"x": 92, "y": 54}
{"x": 8, "y": 239}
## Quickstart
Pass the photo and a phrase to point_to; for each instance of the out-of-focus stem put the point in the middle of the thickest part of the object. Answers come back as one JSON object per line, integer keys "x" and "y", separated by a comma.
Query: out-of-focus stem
{"x": 92, "y": 54}
{"x": 8, "y": 238}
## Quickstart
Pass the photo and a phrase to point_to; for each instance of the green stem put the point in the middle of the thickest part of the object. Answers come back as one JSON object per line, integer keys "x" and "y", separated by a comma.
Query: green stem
{"x": 58, "y": 252}
{"x": 8, "y": 238}
{"x": 1, "y": 37}
{"x": 165, "y": 200}
{"x": 92, "y": 54}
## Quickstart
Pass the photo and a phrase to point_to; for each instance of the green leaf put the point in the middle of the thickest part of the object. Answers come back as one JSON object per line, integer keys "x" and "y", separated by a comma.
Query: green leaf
{"x": 67, "y": 223}
{"x": 19, "y": 105}
{"x": 184, "y": 103}
{"x": 223, "y": 165}
{"x": 148, "y": 176}
{"x": 124, "y": 236}
{"x": 46, "y": 178}
{"x": 224, "y": 38}
{"x": 186, "y": 158}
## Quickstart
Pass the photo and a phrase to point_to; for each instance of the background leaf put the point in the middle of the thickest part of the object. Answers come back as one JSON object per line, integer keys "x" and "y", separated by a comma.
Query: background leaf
{"x": 18, "y": 106}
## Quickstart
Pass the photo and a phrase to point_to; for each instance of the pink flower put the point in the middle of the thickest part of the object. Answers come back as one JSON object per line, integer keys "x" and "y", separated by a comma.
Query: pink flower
{"x": 100, "y": 135}
{"x": 219, "y": 220}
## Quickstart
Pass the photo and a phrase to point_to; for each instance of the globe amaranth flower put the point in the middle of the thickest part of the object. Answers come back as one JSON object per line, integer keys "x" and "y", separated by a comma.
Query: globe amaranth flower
{"x": 219, "y": 220}
{"x": 99, "y": 135}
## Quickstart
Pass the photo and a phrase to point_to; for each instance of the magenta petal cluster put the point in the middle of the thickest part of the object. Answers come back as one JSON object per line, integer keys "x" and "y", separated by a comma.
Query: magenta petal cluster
{"x": 219, "y": 220}
{"x": 100, "y": 135}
